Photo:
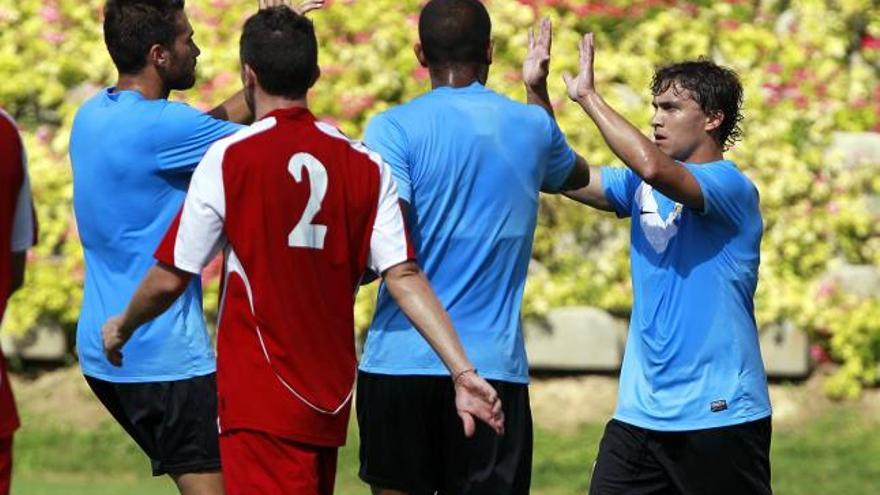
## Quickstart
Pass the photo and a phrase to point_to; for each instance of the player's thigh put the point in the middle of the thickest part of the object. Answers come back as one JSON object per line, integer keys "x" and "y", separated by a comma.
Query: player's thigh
{"x": 258, "y": 462}
{"x": 625, "y": 464}
{"x": 400, "y": 419}
{"x": 488, "y": 463}
{"x": 189, "y": 439}
{"x": 727, "y": 460}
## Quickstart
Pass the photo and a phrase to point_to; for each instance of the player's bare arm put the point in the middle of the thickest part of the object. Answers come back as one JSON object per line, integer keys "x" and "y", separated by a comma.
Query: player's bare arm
{"x": 158, "y": 290}
{"x": 637, "y": 151}
{"x": 473, "y": 395}
{"x": 536, "y": 68}
{"x": 536, "y": 65}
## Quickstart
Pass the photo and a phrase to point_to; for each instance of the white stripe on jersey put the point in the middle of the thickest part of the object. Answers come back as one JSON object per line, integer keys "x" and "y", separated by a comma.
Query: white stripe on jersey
{"x": 200, "y": 234}
{"x": 388, "y": 242}
{"x": 233, "y": 265}
{"x": 23, "y": 226}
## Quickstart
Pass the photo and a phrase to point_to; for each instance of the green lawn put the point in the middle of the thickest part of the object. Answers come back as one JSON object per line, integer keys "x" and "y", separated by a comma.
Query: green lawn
{"x": 839, "y": 453}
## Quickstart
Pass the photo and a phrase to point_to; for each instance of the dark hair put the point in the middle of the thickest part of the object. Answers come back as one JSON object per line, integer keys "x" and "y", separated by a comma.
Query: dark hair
{"x": 454, "y": 32}
{"x": 131, "y": 27}
{"x": 280, "y": 46}
{"x": 714, "y": 88}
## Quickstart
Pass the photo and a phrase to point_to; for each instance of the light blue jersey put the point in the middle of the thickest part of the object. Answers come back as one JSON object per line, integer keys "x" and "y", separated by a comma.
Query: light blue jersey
{"x": 692, "y": 359}
{"x": 470, "y": 163}
{"x": 132, "y": 160}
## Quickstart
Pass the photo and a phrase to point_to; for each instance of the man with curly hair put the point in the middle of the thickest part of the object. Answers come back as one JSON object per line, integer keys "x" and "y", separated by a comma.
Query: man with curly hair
{"x": 693, "y": 414}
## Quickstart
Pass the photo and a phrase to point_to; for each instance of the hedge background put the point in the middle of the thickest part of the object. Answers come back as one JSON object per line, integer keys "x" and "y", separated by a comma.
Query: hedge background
{"x": 810, "y": 68}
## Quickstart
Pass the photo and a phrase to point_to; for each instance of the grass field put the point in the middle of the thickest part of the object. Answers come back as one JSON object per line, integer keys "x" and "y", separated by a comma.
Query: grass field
{"x": 836, "y": 453}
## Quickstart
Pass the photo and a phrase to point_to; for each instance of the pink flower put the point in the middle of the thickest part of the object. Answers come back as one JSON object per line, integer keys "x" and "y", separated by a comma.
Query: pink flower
{"x": 774, "y": 68}
{"x": 826, "y": 289}
{"x": 50, "y": 14}
{"x": 870, "y": 42}
{"x": 833, "y": 207}
{"x": 729, "y": 24}
{"x": 819, "y": 355}
{"x": 420, "y": 73}
{"x": 44, "y": 134}
{"x": 55, "y": 38}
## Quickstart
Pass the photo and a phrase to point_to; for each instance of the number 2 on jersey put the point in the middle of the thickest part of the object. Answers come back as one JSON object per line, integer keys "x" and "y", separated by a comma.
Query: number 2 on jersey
{"x": 306, "y": 234}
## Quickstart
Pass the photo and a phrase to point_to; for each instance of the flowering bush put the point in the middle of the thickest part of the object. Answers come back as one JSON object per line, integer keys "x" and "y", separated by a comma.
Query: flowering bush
{"x": 809, "y": 67}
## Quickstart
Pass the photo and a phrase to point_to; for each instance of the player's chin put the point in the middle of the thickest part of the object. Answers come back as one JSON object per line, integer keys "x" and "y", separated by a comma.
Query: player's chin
{"x": 183, "y": 83}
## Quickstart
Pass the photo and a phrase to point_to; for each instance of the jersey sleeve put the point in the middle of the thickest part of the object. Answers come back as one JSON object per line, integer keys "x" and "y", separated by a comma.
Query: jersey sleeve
{"x": 385, "y": 137}
{"x": 197, "y": 234}
{"x": 389, "y": 241}
{"x": 24, "y": 223}
{"x": 727, "y": 194}
{"x": 183, "y": 134}
{"x": 619, "y": 187}
{"x": 560, "y": 159}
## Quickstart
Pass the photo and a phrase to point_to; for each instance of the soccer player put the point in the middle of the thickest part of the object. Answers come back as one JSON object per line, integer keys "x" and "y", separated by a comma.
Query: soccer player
{"x": 18, "y": 232}
{"x": 693, "y": 414}
{"x": 469, "y": 164}
{"x": 133, "y": 152}
{"x": 301, "y": 213}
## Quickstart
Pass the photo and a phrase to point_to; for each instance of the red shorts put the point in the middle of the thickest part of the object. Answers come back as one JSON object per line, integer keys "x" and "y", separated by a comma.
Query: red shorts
{"x": 256, "y": 462}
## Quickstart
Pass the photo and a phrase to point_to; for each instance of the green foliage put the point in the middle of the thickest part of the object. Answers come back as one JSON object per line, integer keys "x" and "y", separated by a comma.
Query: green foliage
{"x": 809, "y": 67}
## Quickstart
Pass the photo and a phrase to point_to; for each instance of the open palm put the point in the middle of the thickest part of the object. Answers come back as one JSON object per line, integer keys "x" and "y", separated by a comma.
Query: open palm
{"x": 582, "y": 85}
{"x": 536, "y": 65}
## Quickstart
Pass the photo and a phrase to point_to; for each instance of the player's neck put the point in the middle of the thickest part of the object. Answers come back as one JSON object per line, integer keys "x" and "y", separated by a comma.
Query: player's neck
{"x": 458, "y": 76}
{"x": 707, "y": 152}
{"x": 265, "y": 104}
{"x": 146, "y": 83}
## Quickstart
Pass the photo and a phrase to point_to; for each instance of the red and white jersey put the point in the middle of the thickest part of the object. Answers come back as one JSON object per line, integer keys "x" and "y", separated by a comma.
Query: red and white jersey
{"x": 301, "y": 212}
{"x": 18, "y": 232}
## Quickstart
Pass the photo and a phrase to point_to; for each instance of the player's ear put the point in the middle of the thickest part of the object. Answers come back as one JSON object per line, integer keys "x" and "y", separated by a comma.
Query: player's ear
{"x": 158, "y": 56}
{"x": 714, "y": 121}
{"x": 489, "y": 50}
{"x": 315, "y": 76}
{"x": 420, "y": 54}
{"x": 248, "y": 77}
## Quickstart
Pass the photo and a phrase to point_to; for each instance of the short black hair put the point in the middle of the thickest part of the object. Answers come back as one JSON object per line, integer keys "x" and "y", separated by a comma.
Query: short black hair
{"x": 713, "y": 87}
{"x": 280, "y": 46}
{"x": 131, "y": 27}
{"x": 455, "y": 32}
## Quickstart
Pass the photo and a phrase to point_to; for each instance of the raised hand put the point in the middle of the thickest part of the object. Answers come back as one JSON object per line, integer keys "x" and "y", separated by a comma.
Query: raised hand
{"x": 582, "y": 85}
{"x": 114, "y": 338}
{"x": 536, "y": 65}
{"x": 301, "y": 9}
{"x": 474, "y": 397}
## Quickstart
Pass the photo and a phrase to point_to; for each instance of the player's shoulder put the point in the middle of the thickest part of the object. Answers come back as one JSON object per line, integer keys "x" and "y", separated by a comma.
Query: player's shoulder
{"x": 241, "y": 137}
{"x": 356, "y": 148}
{"x": 8, "y": 126}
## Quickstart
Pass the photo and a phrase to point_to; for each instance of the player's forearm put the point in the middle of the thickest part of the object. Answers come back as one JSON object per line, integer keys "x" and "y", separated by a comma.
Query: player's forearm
{"x": 413, "y": 293}
{"x": 234, "y": 109}
{"x": 158, "y": 290}
{"x": 637, "y": 151}
{"x": 538, "y": 95}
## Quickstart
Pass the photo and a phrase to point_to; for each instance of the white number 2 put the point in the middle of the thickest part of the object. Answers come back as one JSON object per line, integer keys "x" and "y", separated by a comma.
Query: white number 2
{"x": 306, "y": 234}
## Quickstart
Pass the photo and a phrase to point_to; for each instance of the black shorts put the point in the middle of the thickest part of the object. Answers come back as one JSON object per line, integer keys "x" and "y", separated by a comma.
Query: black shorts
{"x": 413, "y": 440}
{"x": 174, "y": 423}
{"x": 731, "y": 460}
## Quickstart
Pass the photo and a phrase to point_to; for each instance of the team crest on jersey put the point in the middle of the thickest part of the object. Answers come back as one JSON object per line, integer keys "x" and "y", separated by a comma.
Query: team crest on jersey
{"x": 658, "y": 230}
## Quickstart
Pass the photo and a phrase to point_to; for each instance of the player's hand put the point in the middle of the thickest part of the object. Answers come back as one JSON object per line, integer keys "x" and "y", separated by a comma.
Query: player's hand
{"x": 114, "y": 338}
{"x": 582, "y": 85}
{"x": 301, "y": 9}
{"x": 474, "y": 397}
{"x": 536, "y": 65}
